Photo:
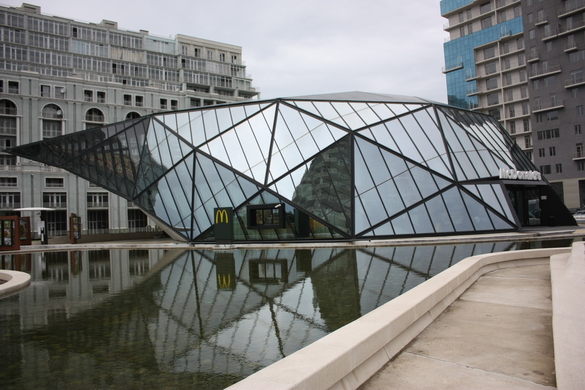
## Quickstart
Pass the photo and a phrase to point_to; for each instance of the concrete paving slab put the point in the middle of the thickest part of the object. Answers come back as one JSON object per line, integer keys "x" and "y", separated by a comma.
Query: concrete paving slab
{"x": 540, "y": 272}
{"x": 498, "y": 335}
{"x": 414, "y": 372}
{"x": 504, "y": 339}
{"x": 521, "y": 291}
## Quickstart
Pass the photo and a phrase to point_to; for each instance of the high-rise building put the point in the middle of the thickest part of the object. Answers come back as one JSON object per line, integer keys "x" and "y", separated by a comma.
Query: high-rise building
{"x": 58, "y": 76}
{"x": 523, "y": 63}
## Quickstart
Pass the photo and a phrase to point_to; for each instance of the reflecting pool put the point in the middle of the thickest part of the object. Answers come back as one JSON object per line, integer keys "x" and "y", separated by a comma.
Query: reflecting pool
{"x": 205, "y": 319}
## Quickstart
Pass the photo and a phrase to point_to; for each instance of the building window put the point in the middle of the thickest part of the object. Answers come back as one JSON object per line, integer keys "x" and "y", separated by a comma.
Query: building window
{"x": 545, "y": 169}
{"x": 491, "y": 67}
{"x": 579, "y": 109}
{"x": 127, "y": 100}
{"x": 8, "y": 182}
{"x": 196, "y": 52}
{"x": 512, "y": 127}
{"x": 97, "y": 221}
{"x": 132, "y": 115}
{"x": 93, "y": 118}
{"x": 541, "y": 152}
{"x": 136, "y": 219}
{"x": 194, "y": 102}
{"x": 60, "y": 93}
{"x": 485, "y": 7}
{"x": 13, "y": 87}
{"x": 559, "y": 168}
{"x": 581, "y": 165}
{"x": 54, "y": 182}
{"x": 8, "y": 130}
{"x": 491, "y": 83}
{"x": 52, "y": 121}
{"x": 139, "y": 101}
{"x": 222, "y": 57}
{"x": 45, "y": 91}
{"x": 552, "y": 151}
{"x": 163, "y": 104}
{"x": 526, "y": 124}
{"x": 9, "y": 200}
{"x": 578, "y": 129}
{"x": 268, "y": 216}
{"x": 88, "y": 95}
{"x": 493, "y": 98}
{"x": 579, "y": 148}
{"x": 101, "y": 97}
{"x": 97, "y": 200}
{"x": 528, "y": 141}
{"x": 55, "y": 200}
{"x": 174, "y": 105}
{"x": 548, "y": 134}
{"x": 486, "y": 22}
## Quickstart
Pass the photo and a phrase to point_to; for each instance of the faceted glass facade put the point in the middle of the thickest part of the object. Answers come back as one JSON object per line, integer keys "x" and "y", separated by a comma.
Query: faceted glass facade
{"x": 340, "y": 166}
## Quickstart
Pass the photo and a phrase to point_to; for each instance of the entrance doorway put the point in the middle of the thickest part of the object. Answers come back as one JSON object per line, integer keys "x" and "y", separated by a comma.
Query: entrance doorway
{"x": 538, "y": 205}
{"x": 527, "y": 203}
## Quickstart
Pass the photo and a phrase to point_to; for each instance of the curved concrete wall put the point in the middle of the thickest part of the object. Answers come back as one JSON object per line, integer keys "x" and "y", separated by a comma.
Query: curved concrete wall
{"x": 349, "y": 356}
{"x": 12, "y": 281}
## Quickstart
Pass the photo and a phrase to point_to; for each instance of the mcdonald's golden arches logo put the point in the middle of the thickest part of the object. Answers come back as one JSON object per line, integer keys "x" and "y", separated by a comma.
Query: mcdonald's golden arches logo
{"x": 225, "y": 281}
{"x": 222, "y": 216}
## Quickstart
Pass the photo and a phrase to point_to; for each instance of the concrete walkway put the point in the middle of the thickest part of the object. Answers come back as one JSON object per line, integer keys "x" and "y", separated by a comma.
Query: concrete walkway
{"x": 497, "y": 335}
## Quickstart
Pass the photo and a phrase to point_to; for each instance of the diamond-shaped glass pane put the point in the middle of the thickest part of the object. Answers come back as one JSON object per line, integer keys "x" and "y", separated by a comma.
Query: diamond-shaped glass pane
{"x": 322, "y": 186}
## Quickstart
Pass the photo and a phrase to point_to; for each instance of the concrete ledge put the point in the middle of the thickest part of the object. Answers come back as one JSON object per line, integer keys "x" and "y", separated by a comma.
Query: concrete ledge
{"x": 349, "y": 356}
{"x": 13, "y": 281}
{"x": 568, "y": 290}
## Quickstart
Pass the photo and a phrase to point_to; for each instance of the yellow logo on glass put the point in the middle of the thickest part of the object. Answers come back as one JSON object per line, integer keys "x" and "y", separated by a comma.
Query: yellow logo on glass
{"x": 224, "y": 281}
{"x": 220, "y": 215}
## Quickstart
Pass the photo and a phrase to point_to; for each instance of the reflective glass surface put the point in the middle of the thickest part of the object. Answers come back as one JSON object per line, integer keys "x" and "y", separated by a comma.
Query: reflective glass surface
{"x": 344, "y": 165}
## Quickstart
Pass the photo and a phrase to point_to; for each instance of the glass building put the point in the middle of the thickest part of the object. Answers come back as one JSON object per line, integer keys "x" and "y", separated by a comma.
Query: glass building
{"x": 349, "y": 165}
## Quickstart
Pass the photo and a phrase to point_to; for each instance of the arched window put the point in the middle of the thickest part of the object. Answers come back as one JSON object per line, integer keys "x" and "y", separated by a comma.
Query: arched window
{"x": 93, "y": 118}
{"x": 132, "y": 115}
{"x": 8, "y": 130}
{"x": 52, "y": 121}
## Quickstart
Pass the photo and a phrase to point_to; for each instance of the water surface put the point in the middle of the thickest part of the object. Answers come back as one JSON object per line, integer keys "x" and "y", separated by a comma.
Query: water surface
{"x": 169, "y": 319}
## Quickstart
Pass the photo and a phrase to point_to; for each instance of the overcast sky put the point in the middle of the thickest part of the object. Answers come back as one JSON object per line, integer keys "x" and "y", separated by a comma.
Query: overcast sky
{"x": 298, "y": 47}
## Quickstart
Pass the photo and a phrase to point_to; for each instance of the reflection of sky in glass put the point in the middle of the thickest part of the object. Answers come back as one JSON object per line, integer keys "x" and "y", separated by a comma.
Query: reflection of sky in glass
{"x": 154, "y": 318}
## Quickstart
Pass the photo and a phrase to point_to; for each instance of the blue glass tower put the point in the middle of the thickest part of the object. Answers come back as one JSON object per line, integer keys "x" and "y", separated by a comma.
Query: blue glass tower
{"x": 460, "y": 66}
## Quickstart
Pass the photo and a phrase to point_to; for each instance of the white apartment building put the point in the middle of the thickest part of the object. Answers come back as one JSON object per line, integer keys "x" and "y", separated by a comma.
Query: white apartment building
{"x": 58, "y": 76}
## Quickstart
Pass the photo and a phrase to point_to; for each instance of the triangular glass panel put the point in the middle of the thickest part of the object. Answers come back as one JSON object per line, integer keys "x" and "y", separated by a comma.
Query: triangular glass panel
{"x": 162, "y": 150}
{"x": 457, "y": 210}
{"x": 394, "y": 136}
{"x": 402, "y": 225}
{"x": 386, "y": 184}
{"x": 324, "y": 187}
{"x": 492, "y": 195}
{"x": 230, "y": 190}
{"x": 366, "y": 114}
{"x": 297, "y": 138}
{"x": 169, "y": 199}
{"x": 246, "y": 146}
{"x": 483, "y": 133}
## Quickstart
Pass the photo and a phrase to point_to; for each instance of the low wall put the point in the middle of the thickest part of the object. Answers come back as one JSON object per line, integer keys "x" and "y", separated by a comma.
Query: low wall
{"x": 349, "y": 356}
{"x": 568, "y": 289}
{"x": 12, "y": 281}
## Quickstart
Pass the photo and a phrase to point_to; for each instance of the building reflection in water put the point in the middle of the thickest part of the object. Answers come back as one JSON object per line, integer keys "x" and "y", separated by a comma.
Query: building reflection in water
{"x": 154, "y": 317}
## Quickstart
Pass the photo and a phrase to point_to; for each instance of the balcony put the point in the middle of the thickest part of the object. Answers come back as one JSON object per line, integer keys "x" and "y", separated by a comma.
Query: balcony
{"x": 574, "y": 82}
{"x": 553, "y": 106}
{"x": 562, "y": 31}
{"x": 9, "y": 205}
{"x": 580, "y": 155}
{"x": 55, "y": 205}
{"x": 547, "y": 72}
{"x": 570, "y": 8}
